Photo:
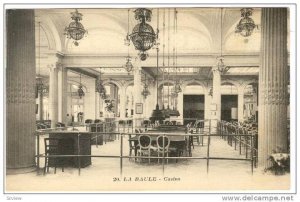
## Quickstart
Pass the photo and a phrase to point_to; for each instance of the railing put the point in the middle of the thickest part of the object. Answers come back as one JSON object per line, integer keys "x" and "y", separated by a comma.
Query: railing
{"x": 234, "y": 133}
{"x": 121, "y": 134}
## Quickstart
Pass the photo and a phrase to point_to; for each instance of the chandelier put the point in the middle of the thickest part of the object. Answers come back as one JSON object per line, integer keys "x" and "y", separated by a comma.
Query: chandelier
{"x": 80, "y": 90}
{"x": 143, "y": 35}
{"x": 100, "y": 88}
{"x": 128, "y": 65}
{"x": 246, "y": 25}
{"x": 145, "y": 91}
{"x": 222, "y": 68}
{"x": 75, "y": 30}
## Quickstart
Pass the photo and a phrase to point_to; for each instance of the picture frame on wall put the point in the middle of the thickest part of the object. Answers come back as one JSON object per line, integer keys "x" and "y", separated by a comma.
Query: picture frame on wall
{"x": 139, "y": 108}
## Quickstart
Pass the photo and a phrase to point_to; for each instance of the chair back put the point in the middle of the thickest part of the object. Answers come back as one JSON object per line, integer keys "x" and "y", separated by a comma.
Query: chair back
{"x": 144, "y": 141}
{"x": 162, "y": 142}
{"x": 51, "y": 146}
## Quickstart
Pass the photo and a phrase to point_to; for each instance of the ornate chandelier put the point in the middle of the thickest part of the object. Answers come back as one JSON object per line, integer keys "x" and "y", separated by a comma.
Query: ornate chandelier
{"x": 221, "y": 66}
{"x": 246, "y": 25}
{"x": 80, "y": 90}
{"x": 143, "y": 35}
{"x": 128, "y": 65}
{"x": 100, "y": 88}
{"x": 75, "y": 30}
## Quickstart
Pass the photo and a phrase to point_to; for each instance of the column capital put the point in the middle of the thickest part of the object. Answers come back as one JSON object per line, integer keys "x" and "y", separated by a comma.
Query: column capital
{"x": 59, "y": 66}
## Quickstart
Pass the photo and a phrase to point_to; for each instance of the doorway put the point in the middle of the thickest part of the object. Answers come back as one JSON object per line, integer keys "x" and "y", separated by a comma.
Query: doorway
{"x": 193, "y": 107}
{"x": 229, "y": 107}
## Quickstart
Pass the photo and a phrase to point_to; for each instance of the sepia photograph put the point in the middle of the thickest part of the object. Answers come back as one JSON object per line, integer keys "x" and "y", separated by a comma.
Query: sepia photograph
{"x": 149, "y": 98}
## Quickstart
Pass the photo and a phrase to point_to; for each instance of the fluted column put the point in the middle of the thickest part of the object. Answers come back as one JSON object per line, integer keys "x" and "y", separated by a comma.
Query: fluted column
{"x": 273, "y": 80}
{"x": 62, "y": 93}
{"x": 53, "y": 98}
{"x": 20, "y": 91}
{"x": 241, "y": 104}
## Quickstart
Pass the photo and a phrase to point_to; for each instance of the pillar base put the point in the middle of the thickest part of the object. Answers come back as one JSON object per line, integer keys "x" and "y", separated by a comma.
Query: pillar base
{"x": 15, "y": 171}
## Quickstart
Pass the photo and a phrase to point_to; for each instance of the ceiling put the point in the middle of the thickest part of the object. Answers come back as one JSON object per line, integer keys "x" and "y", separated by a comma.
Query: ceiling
{"x": 199, "y": 32}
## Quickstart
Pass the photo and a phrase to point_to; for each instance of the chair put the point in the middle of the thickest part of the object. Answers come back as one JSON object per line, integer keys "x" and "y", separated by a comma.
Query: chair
{"x": 144, "y": 146}
{"x": 163, "y": 145}
{"x": 52, "y": 148}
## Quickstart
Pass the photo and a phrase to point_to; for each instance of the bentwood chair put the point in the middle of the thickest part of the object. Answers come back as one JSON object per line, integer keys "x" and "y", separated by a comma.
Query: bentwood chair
{"x": 144, "y": 147}
{"x": 52, "y": 148}
{"x": 163, "y": 146}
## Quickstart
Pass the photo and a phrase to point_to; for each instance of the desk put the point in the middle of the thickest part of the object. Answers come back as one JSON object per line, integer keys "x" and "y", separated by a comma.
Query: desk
{"x": 69, "y": 145}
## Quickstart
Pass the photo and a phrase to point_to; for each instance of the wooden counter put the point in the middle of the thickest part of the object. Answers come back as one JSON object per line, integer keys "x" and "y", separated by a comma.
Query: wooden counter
{"x": 69, "y": 144}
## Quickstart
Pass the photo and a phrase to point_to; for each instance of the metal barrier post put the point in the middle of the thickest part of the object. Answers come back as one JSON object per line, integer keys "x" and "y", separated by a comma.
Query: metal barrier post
{"x": 251, "y": 144}
{"x": 78, "y": 152}
{"x": 163, "y": 154}
{"x": 38, "y": 152}
{"x": 207, "y": 158}
{"x": 240, "y": 145}
{"x": 97, "y": 135}
{"x": 121, "y": 155}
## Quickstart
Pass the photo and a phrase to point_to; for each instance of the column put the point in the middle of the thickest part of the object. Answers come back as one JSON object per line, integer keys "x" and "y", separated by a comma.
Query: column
{"x": 241, "y": 104}
{"x": 216, "y": 100}
{"x": 273, "y": 80}
{"x": 20, "y": 91}
{"x": 53, "y": 98}
{"x": 207, "y": 102}
{"x": 62, "y": 93}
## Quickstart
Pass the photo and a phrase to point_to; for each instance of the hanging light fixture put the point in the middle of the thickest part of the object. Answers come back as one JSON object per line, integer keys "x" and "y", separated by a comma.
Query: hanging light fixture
{"x": 157, "y": 114}
{"x": 174, "y": 94}
{"x": 145, "y": 91}
{"x": 246, "y": 25}
{"x": 39, "y": 80}
{"x": 177, "y": 82}
{"x": 222, "y": 68}
{"x": 75, "y": 30}
{"x": 128, "y": 65}
{"x": 166, "y": 111}
{"x": 80, "y": 89}
{"x": 99, "y": 86}
{"x": 143, "y": 35}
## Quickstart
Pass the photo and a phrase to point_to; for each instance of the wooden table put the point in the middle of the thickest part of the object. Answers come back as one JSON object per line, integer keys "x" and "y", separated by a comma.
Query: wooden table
{"x": 72, "y": 144}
